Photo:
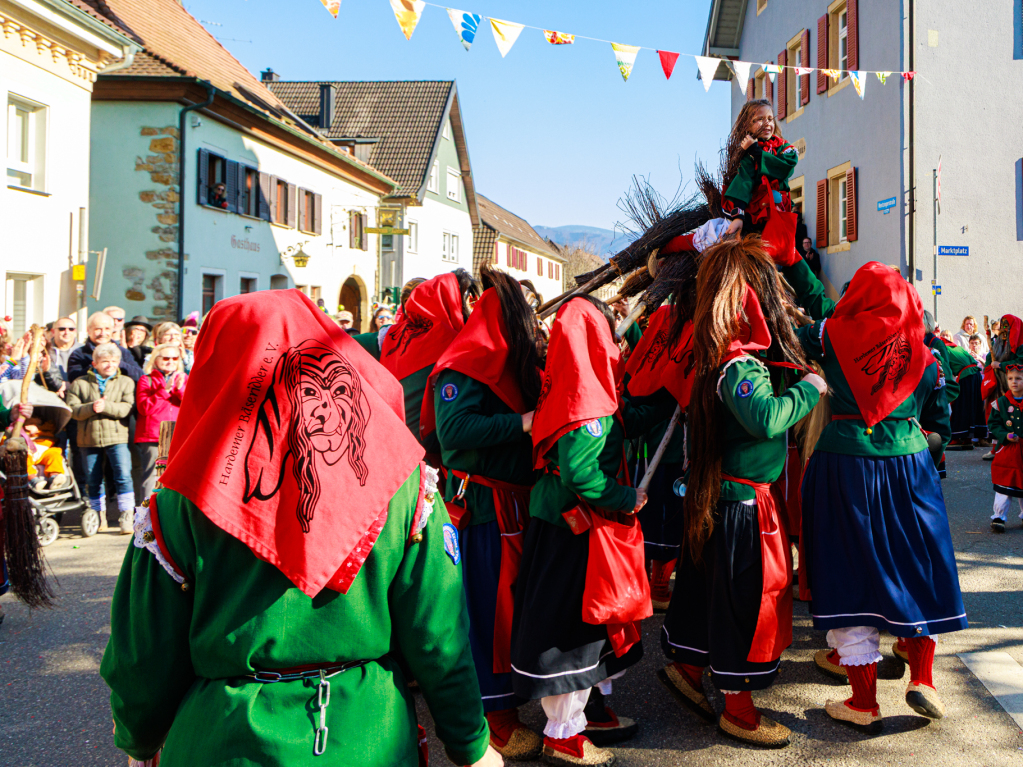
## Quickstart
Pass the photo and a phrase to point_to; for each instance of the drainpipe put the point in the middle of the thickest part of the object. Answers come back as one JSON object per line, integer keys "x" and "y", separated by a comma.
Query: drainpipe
{"x": 127, "y": 59}
{"x": 210, "y": 91}
{"x": 911, "y": 254}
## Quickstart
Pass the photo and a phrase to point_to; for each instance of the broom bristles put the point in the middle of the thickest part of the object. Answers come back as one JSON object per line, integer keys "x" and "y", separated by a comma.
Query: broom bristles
{"x": 25, "y": 567}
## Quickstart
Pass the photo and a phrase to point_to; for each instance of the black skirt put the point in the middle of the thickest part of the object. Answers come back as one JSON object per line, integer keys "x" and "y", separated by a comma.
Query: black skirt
{"x": 968, "y": 418}
{"x": 713, "y": 613}
{"x": 661, "y": 518}
{"x": 553, "y": 651}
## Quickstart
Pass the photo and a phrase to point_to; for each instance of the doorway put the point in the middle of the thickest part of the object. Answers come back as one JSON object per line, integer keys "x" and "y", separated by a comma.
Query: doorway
{"x": 351, "y": 299}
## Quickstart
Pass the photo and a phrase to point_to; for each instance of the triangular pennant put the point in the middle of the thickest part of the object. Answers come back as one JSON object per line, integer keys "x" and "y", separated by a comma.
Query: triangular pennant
{"x": 505, "y": 34}
{"x": 407, "y": 12}
{"x": 466, "y": 26}
{"x": 859, "y": 82}
{"x": 708, "y": 66}
{"x": 668, "y": 60}
{"x": 741, "y": 69}
{"x": 882, "y": 76}
{"x": 803, "y": 71}
{"x": 625, "y": 55}
{"x": 558, "y": 38}
{"x": 834, "y": 74}
{"x": 332, "y": 6}
{"x": 907, "y": 76}
{"x": 772, "y": 70}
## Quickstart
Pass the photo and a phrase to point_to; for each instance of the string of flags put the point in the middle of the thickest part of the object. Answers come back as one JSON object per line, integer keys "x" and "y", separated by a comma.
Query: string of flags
{"x": 506, "y": 33}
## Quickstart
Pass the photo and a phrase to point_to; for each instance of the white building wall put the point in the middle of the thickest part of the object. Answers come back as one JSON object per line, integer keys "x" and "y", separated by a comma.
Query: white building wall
{"x": 434, "y": 218}
{"x": 549, "y": 287}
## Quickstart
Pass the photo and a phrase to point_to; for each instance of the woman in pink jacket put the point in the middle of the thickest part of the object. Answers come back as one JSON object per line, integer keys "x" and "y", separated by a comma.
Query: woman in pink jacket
{"x": 158, "y": 398}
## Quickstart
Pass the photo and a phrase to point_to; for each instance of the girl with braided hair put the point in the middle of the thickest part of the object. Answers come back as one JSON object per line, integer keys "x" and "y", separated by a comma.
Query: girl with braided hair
{"x": 732, "y": 605}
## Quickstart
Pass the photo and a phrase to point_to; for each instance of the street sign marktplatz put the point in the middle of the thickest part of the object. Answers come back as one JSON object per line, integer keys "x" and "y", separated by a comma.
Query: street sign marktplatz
{"x": 953, "y": 250}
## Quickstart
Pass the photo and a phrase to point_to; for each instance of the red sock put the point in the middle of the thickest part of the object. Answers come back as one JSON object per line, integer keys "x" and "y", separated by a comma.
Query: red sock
{"x": 660, "y": 576}
{"x": 503, "y": 724}
{"x": 921, "y": 660}
{"x": 834, "y": 657}
{"x": 739, "y": 710}
{"x": 864, "y": 686}
{"x": 692, "y": 674}
{"x": 903, "y": 644}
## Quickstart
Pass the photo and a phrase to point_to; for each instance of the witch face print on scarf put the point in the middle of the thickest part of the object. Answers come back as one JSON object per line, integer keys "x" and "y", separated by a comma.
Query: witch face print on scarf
{"x": 889, "y": 362}
{"x": 412, "y": 328}
{"x": 316, "y": 398}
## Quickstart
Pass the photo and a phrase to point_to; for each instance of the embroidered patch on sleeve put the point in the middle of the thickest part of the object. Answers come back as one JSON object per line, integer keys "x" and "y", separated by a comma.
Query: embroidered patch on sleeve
{"x": 451, "y": 543}
{"x": 594, "y": 428}
{"x": 744, "y": 389}
{"x": 448, "y": 392}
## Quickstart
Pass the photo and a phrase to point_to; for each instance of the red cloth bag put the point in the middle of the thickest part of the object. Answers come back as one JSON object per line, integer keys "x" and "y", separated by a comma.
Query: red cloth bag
{"x": 779, "y": 235}
{"x": 617, "y": 592}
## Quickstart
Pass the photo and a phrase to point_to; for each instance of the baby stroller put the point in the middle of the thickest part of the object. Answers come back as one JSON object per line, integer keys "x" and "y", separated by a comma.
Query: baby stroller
{"x": 49, "y": 504}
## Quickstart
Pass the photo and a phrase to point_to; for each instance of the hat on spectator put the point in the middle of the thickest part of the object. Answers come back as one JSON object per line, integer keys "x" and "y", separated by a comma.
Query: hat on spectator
{"x": 340, "y": 316}
{"x": 140, "y": 320}
{"x": 191, "y": 321}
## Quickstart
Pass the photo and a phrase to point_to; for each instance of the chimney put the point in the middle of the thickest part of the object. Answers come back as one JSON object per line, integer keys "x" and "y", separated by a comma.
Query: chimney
{"x": 326, "y": 106}
{"x": 269, "y": 76}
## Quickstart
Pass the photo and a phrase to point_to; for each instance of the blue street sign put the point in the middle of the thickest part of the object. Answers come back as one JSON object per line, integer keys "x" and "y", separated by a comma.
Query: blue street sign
{"x": 953, "y": 250}
{"x": 883, "y": 206}
{"x": 937, "y": 289}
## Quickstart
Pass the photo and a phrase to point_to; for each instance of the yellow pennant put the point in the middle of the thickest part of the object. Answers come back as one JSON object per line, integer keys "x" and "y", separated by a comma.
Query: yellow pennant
{"x": 407, "y": 12}
{"x": 625, "y": 55}
{"x": 332, "y": 6}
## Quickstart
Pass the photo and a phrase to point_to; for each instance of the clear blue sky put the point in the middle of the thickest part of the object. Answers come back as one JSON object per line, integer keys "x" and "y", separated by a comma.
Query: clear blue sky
{"x": 554, "y": 133}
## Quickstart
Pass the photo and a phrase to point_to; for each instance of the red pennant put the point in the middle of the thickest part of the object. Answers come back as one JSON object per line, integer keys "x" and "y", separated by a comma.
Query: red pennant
{"x": 907, "y": 76}
{"x": 668, "y": 60}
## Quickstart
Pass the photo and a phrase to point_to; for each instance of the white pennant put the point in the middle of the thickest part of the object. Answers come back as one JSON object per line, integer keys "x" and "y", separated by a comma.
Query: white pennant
{"x": 741, "y": 69}
{"x": 466, "y": 26}
{"x": 708, "y": 66}
{"x": 859, "y": 80}
{"x": 407, "y": 12}
{"x": 505, "y": 34}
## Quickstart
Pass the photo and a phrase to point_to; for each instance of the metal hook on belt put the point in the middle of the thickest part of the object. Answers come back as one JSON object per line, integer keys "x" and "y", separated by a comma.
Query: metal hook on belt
{"x": 322, "y": 700}
{"x": 461, "y": 489}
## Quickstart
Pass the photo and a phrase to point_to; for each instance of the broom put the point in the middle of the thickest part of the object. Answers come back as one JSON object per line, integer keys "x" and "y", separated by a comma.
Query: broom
{"x": 656, "y": 460}
{"x": 673, "y": 274}
{"x": 25, "y": 566}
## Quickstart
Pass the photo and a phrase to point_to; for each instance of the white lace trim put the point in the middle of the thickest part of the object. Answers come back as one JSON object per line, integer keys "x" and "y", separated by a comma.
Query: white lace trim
{"x": 145, "y": 538}
{"x": 743, "y": 357}
{"x": 865, "y": 659}
{"x": 428, "y": 478}
{"x": 820, "y": 333}
{"x": 569, "y": 729}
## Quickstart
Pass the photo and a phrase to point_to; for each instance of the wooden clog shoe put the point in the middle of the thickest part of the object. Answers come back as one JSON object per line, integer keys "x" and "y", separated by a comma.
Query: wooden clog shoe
{"x": 576, "y": 750}
{"x": 924, "y": 700}
{"x": 685, "y": 693}
{"x": 827, "y": 661}
{"x": 768, "y": 734}
{"x": 870, "y": 722}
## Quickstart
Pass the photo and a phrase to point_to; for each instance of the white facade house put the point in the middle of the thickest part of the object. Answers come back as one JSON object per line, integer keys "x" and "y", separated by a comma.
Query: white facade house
{"x": 50, "y": 53}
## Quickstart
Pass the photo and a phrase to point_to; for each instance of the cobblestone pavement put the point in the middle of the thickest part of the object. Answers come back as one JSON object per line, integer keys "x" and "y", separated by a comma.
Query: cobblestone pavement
{"x": 54, "y": 707}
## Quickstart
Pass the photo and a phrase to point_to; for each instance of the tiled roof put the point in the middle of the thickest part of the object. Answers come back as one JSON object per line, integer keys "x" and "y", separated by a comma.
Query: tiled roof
{"x": 177, "y": 44}
{"x": 506, "y": 223}
{"x": 404, "y": 115}
{"x": 483, "y": 239}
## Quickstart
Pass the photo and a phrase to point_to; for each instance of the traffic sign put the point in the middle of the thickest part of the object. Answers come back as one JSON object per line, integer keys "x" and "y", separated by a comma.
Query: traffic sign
{"x": 953, "y": 250}
{"x": 937, "y": 290}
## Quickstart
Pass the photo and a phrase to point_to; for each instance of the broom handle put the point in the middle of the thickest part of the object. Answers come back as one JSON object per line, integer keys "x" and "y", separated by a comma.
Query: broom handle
{"x": 26, "y": 382}
{"x": 627, "y": 323}
{"x": 554, "y": 304}
{"x": 656, "y": 460}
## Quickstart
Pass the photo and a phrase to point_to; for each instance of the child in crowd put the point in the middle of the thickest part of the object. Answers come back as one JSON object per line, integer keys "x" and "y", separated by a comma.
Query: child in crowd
{"x": 977, "y": 348}
{"x": 101, "y": 402}
{"x": 46, "y": 458}
{"x": 159, "y": 396}
{"x": 1005, "y": 422}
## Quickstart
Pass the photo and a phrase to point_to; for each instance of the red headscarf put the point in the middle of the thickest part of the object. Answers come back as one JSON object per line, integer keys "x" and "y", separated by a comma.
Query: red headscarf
{"x": 754, "y": 335}
{"x": 877, "y": 334}
{"x": 1015, "y": 331}
{"x": 652, "y": 366}
{"x": 481, "y": 352}
{"x": 291, "y": 438}
{"x": 432, "y": 318}
{"x": 579, "y": 380}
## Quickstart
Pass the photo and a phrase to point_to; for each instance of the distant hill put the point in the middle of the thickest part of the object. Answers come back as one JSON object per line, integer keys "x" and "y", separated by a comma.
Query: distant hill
{"x": 604, "y": 242}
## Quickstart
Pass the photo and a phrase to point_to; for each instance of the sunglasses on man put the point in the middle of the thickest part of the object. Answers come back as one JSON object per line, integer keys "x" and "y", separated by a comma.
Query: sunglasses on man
{"x": 66, "y": 329}
{"x": 191, "y": 332}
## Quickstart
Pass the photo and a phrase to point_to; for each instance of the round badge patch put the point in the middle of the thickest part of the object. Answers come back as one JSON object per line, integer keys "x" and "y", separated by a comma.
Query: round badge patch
{"x": 451, "y": 543}
{"x": 594, "y": 428}
{"x": 745, "y": 388}
{"x": 448, "y": 392}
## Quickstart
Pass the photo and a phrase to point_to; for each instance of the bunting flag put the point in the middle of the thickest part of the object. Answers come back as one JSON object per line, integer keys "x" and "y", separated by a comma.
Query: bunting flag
{"x": 466, "y": 26}
{"x": 773, "y": 70}
{"x": 708, "y": 67}
{"x": 834, "y": 74}
{"x": 859, "y": 82}
{"x": 882, "y": 76}
{"x": 505, "y": 34}
{"x": 907, "y": 76}
{"x": 407, "y": 12}
{"x": 558, "y": 38}
{"x": 668, "y": 60}
{"x": 332, "y": 6}
{"x": 625, "y": 55}
{"x": 741, "y": 69}
{"x": 802, "y": 71}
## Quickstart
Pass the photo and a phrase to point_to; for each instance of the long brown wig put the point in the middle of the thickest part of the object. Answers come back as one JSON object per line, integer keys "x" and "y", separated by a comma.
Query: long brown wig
{"x": 733, "y": 152}
{"x": 524, "y": 342}
{"x": 726, "y": 270}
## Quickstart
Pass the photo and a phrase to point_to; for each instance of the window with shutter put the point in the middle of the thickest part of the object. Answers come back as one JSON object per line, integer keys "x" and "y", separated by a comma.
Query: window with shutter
{"x": 508, "y": 255}
{"x": 497, "y": 259}
{"x": 292, "y": 219}
{"x": 768, "y": 89}
{"x": 363, "y": 239}
{"x": 317, "y": 214}
{"x": 850, "y": 205}
{"x": 539, "y": 266}
{"x": 243, "y": 192}
{"x": 265, "y": 195}
{"x": 783, "y": 89}
{"x": 853, "y": 34}
{"x": 804, "y": 81}
{"x": 352, "y": 242}
{"x": 557, "y": 271}
{"x": 822, "y": 214}
{"x": 204, "y": 178}
{"x": 302, "y": 210}
{"x": 751, "y": 89}
{"x": 231, "y": 182}
{"x": 822, "y": 53}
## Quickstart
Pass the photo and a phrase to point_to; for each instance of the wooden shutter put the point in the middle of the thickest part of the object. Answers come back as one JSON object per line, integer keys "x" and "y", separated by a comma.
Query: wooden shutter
{"x": 853, "y": 33}
{"x": 231, "y": 184}
{"x": 241, "y": 203}
{"x": 363, "y": 239}
{"x": 751, "y": 89}
{"x": 822, "y": 214}
{"x": 272, "y": 182}
{"x": 768, "y": 88}
{"x": 301, "y": 209}
{"x": 783, "y": 86}
{"x": 508, "y": 254}
{"x": 850, "y": 205}
{"x": 264, "y": 192}
{"x": 292, "y": 192}
{"x": 204, "y": 178}
{"x": 822, "y": 53}
{"x": 317, "y": 214}
{"x": 497, "y": 258}
{"x": 804, "y": 83}
{"x": 557, "y": 271}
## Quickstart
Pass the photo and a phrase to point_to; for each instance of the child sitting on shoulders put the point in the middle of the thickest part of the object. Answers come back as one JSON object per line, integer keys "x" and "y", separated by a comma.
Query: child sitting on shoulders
{"x": 1006, "y": 423}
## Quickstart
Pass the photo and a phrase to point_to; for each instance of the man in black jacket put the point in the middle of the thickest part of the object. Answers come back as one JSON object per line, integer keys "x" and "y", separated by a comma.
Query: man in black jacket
{"x": 100, "y": 329}
{"x": 812, "y": 257}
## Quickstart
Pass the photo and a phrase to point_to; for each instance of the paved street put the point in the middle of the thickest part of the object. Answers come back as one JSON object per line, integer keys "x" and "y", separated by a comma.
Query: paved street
{"x": 54, "y": 710}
